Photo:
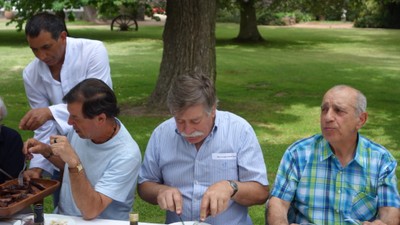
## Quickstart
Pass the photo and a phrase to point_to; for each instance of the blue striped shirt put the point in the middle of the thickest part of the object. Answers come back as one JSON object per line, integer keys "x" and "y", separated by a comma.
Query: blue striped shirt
{"x": 323, "y": 192}
{"x": 230, "y": 152}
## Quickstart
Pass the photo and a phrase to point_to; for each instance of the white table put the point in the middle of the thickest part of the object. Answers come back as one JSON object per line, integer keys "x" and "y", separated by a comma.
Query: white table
{"x": 78, "y": 221}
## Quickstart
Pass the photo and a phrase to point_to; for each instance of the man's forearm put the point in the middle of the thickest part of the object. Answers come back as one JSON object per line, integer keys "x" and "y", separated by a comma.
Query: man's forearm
{"x": 389, "y": 215}
{"x": 148, "y": 191}
{"x": 277, "y": 211}
{"x": 251, "y": 193}
{"x": 89, "y": 202}
{"x": 275, "y": 217}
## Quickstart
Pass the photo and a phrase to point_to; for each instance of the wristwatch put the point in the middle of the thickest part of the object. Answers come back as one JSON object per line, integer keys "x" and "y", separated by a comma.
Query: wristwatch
{"x": 76, "y": 169}
{"x": 234, "y": 187}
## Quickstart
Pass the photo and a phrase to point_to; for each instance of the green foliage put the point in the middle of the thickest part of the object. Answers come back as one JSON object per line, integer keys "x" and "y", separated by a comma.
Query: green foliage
{"x": 228, "y": 15}
{"x": 27, "y": 8}
{"x": 107, "y": 8}
{"x": 111, "y": 8}
{"x": 321, "y": 10}
{"x": 6, "y": 5}
{"x": 270, "y": 17}
{"x": 148, "y": 11}
{"x": 365, "y": 13}
{"x": 302, "y": 17}
{"x": 383, "y": 14}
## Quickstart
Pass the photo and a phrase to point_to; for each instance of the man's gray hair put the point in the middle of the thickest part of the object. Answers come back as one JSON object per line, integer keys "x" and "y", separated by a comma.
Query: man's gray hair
{"x": 189, "y": 90}
{"x": 3, "y": 110}
{"x": 361, "y": 100}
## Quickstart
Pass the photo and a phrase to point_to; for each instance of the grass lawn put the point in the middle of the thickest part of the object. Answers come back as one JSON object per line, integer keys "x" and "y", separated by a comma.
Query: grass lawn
{"x": 277, "y": 85}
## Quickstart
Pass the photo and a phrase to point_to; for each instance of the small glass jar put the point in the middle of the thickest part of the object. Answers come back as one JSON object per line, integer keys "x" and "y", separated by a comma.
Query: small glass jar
{"x": 38, "y": 215}
{"x": 134, "y": 218}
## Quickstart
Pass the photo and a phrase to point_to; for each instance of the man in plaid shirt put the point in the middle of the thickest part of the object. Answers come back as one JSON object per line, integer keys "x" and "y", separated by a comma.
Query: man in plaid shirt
{"x": 339, "y": 177}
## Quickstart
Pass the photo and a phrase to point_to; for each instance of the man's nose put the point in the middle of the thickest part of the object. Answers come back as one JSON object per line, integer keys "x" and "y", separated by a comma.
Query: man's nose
{"x": 329, "y": 115}
{"x": 188, "y": 129}
{"x": 41, "y": 55}
{"x": 69, "y": 121}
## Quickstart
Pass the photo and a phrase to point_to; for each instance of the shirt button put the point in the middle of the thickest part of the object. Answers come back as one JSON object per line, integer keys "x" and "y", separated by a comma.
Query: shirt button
{"x": 337, "y": 210}
{"x": 339, "y": 191}
{"x": 195, "y": 182}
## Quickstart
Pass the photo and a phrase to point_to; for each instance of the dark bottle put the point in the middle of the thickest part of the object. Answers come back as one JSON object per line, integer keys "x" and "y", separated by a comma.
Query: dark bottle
{"x": 38, "y": 216}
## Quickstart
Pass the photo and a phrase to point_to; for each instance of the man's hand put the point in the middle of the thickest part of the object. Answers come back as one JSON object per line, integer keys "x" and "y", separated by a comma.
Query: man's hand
{"x": 387, "y": 216}
{"x": 61, "y": 147}
{"x": 170, "y": 198}
{"x": 33, "y": 146}
{"x": 215, "y": 199}
{"x": 375, "y": 222}
{"x": 35, "y": 118}
{"x": 32, "y": 173}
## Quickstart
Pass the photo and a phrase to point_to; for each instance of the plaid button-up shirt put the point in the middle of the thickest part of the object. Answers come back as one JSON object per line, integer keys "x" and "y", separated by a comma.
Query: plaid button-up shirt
{"x": 323, "y": 192}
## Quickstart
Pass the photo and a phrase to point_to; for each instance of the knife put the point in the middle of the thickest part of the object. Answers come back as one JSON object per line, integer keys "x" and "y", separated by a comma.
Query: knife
{"x": 5, "y": 173}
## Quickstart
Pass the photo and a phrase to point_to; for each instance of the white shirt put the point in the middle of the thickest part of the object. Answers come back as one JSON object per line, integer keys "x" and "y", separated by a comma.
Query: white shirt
{"x": 83, "y": 59}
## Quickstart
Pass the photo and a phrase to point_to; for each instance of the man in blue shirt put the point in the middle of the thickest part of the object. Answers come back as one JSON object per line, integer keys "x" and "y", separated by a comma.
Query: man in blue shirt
{"x": 203, "y": 164}
{"x": 99, "y": 158}
{"x": 339, "y": 177}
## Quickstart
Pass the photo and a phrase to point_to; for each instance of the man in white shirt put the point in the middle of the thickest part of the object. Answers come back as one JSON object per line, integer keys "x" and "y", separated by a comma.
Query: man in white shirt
{"x": 61, "y": 62}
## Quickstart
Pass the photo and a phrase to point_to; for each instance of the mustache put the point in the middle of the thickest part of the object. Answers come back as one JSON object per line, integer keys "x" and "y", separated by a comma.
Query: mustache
{"x": 192, "y": 135}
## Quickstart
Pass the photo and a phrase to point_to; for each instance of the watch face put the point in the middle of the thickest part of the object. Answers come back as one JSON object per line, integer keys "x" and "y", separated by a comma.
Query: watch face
{"x": 76, "y": 169}
{"x": 234, "y": 186}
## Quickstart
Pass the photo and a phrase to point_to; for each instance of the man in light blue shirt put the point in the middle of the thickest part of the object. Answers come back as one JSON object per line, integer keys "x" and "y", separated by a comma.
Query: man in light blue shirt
{"x": 203, "y": 164}
{"x": 99, "y": 157}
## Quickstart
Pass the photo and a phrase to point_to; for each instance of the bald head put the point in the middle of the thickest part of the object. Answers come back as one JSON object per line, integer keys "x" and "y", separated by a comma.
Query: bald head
{"x": 358, "y": 99}
{"x": 342, "y": 115}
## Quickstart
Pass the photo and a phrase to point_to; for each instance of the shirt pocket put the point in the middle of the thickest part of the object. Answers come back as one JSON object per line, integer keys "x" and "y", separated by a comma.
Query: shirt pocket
{"x": 364, "y": 206}
{"x": 224, "y": 166}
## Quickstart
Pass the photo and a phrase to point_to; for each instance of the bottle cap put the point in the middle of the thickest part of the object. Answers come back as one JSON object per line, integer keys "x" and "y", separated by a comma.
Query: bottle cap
{"x": 133, "y": 217}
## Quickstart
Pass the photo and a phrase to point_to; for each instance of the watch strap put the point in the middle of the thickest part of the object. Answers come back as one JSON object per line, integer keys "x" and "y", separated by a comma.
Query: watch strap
{"x": 234, "y": 186}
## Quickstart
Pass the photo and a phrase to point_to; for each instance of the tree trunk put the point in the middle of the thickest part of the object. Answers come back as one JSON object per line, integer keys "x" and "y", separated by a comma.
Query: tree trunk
{"x": 248, "y": 23}
{"x": 189, "y": 45}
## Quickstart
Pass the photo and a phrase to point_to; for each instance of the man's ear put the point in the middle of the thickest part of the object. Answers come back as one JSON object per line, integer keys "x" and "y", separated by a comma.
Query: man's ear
{"x": 63, "y": 36}
{"x": 362, "y": 120}
{"x": 214, "y": 110}
{"x": 102, "y": 118}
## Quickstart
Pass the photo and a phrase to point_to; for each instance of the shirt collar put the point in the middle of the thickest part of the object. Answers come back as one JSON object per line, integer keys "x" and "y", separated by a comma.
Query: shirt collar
{"x": 359, "y": 156}
{"x": 361, "y": 152}
{"x": 326, "y": 150}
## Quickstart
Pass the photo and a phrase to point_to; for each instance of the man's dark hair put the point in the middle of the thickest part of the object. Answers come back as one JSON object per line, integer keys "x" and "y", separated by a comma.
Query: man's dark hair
{"x": 96, "y": 98}
{"x": 45, "y": 21}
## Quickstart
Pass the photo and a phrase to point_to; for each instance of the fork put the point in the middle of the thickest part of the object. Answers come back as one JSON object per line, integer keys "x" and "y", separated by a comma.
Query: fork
{"x": 180, "y": 218}
{"x": 21, "y": 175}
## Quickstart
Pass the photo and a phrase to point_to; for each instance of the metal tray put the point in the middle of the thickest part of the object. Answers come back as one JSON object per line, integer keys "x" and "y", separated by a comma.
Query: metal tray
{"x": 50, "y": 187}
